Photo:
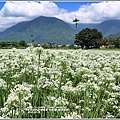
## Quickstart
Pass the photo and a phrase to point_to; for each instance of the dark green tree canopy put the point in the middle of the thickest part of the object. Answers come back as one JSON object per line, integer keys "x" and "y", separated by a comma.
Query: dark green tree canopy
{"x": 23, "y": 43}
{"x": 88, "y": 38}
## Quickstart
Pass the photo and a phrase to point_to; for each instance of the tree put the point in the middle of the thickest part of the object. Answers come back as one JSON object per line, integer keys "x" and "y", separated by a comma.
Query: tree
{"x": 88, "y": 38}
{"x": 3, "y": 44}
{"x": 14, "y": 43}
{"x": 23, "y": 43}
{"x": 116, "y": 42}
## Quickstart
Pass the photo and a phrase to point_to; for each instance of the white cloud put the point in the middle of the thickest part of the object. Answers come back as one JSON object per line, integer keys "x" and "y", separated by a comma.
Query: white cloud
{"x": 25, "y": 8}
{"x": 94, "y": 13}
{"x": 14, "y": 12}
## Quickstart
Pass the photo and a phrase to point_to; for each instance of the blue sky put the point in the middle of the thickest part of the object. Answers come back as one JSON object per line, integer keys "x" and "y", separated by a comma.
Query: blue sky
{"x": 70, "y": 6}
{"x": 1, "y": 4}
{"x": 13, "y": 12}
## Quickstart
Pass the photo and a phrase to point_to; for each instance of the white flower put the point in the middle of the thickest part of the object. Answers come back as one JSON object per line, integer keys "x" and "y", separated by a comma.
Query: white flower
{"x": 3, "y": 83}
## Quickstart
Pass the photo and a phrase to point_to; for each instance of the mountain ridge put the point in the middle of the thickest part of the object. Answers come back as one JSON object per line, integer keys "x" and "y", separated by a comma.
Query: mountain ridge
{"x": 43, "y": 29}
{"x": 105, "y": 27}
{"x": 51, "y": 29}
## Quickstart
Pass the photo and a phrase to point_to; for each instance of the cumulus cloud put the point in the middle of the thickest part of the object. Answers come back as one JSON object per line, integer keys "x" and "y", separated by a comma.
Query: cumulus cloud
{"x": 14, "y": 12}
{"x": 24, "y": 8}
{"x": 94, "y": 13}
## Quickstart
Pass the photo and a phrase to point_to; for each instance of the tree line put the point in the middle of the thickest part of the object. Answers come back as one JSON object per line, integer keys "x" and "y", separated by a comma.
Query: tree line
{"x": 20, "y": 44}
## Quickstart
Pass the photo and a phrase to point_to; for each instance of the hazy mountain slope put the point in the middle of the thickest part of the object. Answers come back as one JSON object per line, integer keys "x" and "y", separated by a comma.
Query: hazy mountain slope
{"x": 109, "y": 27}
{"x": 82, "y": 26}
{"x": 117, "y": 35}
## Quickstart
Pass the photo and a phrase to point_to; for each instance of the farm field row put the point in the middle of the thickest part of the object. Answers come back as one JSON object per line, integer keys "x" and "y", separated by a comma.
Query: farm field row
{"x": 84, "y": 82}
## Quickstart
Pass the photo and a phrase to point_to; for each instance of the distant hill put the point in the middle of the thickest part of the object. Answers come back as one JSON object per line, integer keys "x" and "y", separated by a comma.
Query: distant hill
{"x": 109, "y": 27}
{"x": 106, "y": 27}
{"x": 43, "y": 29}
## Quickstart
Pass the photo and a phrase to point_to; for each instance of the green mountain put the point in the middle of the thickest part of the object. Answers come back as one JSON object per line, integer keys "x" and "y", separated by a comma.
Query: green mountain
{"x": 109, "y": 27}
{"x": 41, "y": 30}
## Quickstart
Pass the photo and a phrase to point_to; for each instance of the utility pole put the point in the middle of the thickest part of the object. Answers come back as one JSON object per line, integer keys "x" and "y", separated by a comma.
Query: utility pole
{"x": 76, "y": 22}
{"x": 32, "y": 39}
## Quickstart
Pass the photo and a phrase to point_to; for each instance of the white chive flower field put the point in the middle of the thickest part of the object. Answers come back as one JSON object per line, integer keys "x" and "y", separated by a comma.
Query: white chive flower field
{"x": 39, "y": 83}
